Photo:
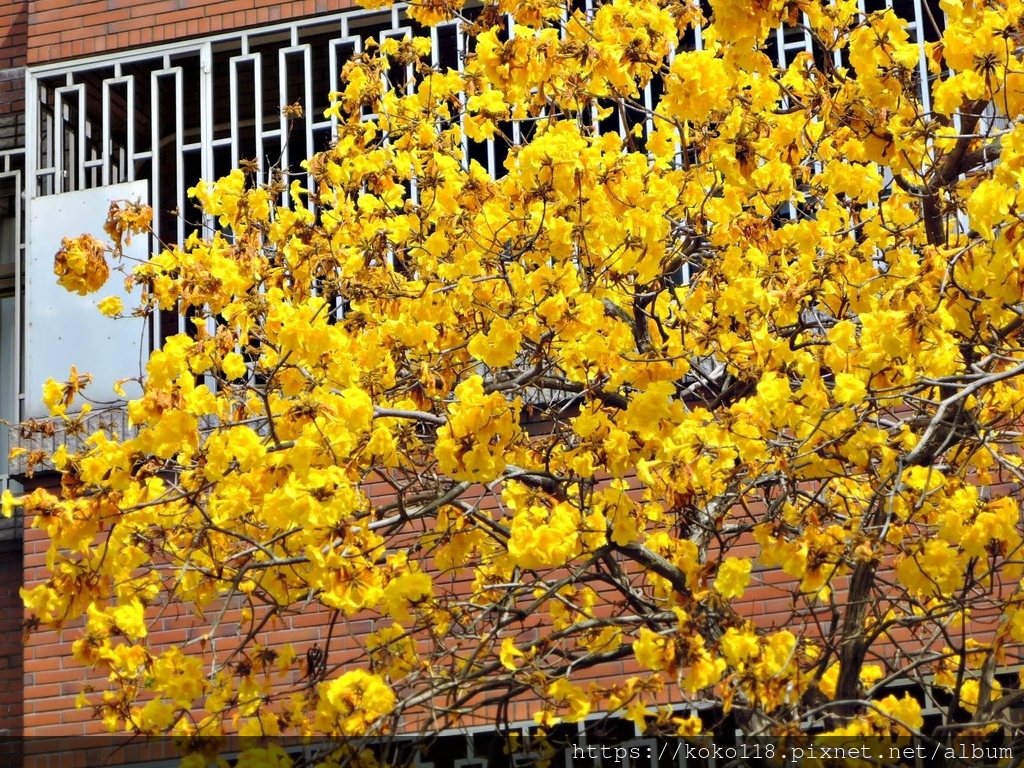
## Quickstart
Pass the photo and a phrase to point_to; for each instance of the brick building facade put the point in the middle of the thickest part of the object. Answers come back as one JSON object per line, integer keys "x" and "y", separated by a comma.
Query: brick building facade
{"x": 13, "y": 51}
{"x": 38, "y": 678}
{"x": 117, "y": 97}
{"x": 63, "y": 29}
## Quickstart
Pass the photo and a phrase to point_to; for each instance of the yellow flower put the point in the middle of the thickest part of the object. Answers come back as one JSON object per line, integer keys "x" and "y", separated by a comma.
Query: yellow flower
{"x": 156, "y": 716}
{"x": 905, "y": 712}
{"x": 704, "y": 671}
{"x": 849, "y": 389}
{"x": 654, "y": 651}
{"x": 733, "y": 577}
{"x": 509, "y": 652}
{"x": 738, "y": 646}
{"x": 688, "y": 726}
{"x": 545, "y": 538}
{"x": 130, "y": 619}
{"x": 111, "y": 306}
{"x": 272, "y": 756}
{"x": 8, "y": 503}
{"x": 125, "y": 219}
{"x": 179, "y": 677}
{"x": 988, "y": 205}
{"x": 406, "y": 591}
{"x": 568, "y": 695}
{"x": 81, "y": 265}
{"x": 499, "y": 346}
{"x": 354, "y": 702}
{"x": 233, "y": 366}
{"x": 637, "y": 714}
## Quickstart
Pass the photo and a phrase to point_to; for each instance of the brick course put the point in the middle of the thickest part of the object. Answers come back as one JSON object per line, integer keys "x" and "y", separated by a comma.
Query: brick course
{"x": 11, "y": 667}
{"x": 13, "y": 42}
{"x": 13, "y": 45}
{"x": 53, "y": 678}
{"x": 63, "y": 29}
{"x": 13, "y": 33}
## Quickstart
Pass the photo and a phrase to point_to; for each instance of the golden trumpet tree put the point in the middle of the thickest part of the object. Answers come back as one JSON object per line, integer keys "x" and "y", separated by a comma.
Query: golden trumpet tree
{"x": 769, "y": 331}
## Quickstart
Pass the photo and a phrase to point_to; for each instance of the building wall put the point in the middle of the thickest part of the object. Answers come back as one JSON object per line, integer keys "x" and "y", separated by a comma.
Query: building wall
{"x": 11, "y": 682}
{"x": 38, "y": 678}
{"x": 13, "y": 46}
{"x": 52, "y": 30}
{"x": 53, "y": 679}
{"x": 13, "y": 29}
{"x": 13, "y": 42}
{"x": 63, "y": 29}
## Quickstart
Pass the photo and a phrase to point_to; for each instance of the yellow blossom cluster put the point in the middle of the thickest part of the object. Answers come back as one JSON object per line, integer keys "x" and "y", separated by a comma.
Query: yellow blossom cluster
{"x": 710, "y": 394}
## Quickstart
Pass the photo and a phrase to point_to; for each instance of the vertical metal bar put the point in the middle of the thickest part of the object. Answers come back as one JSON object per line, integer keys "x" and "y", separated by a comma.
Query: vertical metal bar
{"x": 33, "y": 130}
{"x": 649, "y": 106}
{"x": 516, "y": 128}
{"x": 282, "y": 91}
{"x": 19, "y": 255}
{"x": 130, "y": 141}
{"x": 460, "y": 47}
{"x": 154, "y": 150}
{"x": 307, "y": 96}
{"x": 257, "y": 101}
{"x": 780, "y": 44}
{"x": 205, "y": 132}
{"x": 58, "y": 142}
{"x": 435, "y": 58}
{"x": 926, "y": 96}
{"x": 233, "y": 98}
{"x": 105, "y": 135}
{"x": 179, "y": 155}
{"x": 108, "y": 86}
{"x": 81, "y": 182}
{"x": 206, "y": 97}
{"x": 155, "y": 322}
{"x": 158, "y": 171}
{"x": 335, "y": 76}
{"x": 37, "y": 125}
{"x": 307, "y": 108}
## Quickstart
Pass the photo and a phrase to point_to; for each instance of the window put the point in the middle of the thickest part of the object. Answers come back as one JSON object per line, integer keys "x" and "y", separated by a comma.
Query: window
{"x": 10, "y": 255}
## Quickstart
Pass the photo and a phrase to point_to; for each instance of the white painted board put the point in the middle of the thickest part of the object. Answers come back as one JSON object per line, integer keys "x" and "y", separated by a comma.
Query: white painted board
{"x": 64, "y": 329}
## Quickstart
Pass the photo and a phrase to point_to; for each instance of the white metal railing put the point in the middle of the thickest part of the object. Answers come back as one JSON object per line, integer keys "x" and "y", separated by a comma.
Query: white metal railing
{"x": 12, "y": 254}
{"x": 10, "y": 529}
{"x": 171, "y": 114}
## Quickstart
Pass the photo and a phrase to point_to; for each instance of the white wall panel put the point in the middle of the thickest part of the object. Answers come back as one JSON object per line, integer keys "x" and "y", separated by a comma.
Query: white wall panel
{"x": 64, "y": 329}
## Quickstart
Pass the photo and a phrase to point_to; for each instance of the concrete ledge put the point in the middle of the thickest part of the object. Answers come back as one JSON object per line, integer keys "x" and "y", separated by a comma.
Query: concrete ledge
{"x": 46, "y": 435}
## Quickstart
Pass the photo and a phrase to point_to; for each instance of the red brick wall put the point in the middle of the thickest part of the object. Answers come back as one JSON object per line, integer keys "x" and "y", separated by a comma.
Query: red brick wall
{"x": 63, "y": 29}
{"x": 10, "y": 638}
{"x": 53, "y": 678}
{"x": 13, "y": 40}
{"x": 48, "y": 670}
{"x": 13, "y": 46}
{"x": 13, "y": 28}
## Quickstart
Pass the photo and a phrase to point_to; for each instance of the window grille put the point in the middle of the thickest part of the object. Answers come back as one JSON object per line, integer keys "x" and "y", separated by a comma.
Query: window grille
{"x": 171, "y": 114}
{"x": 11, "y": 261}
